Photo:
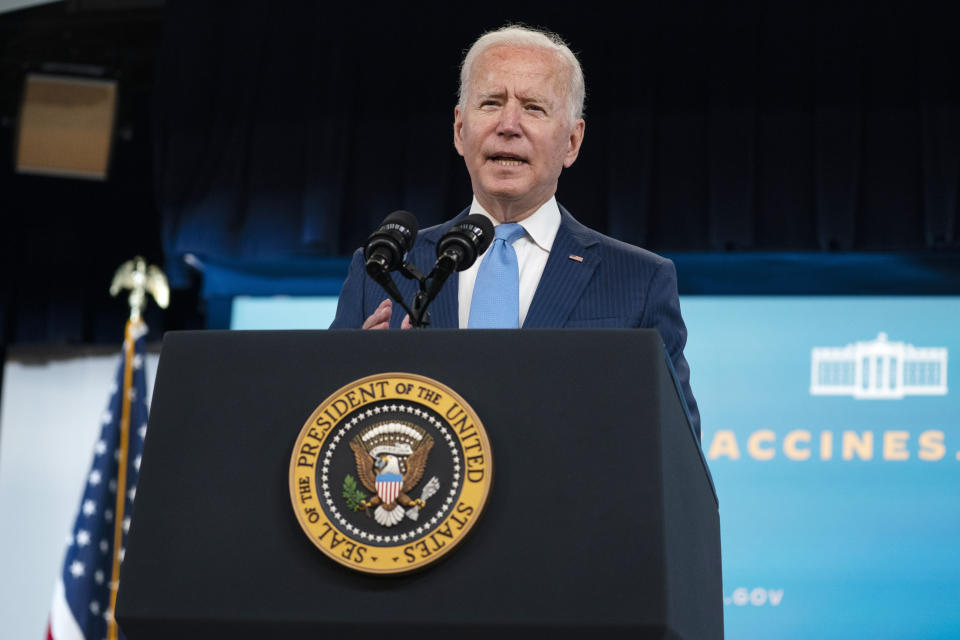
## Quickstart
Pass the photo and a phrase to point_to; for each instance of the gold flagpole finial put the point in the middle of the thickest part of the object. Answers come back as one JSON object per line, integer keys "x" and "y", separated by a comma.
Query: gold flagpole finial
{"x": 141, "y": 280}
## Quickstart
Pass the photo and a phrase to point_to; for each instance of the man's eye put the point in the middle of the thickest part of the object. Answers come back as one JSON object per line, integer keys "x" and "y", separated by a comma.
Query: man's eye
{"x": 488, "y": 103}
{"x": 535, "y": 107}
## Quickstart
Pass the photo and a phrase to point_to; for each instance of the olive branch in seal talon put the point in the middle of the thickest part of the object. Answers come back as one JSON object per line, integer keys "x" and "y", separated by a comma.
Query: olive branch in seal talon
{"x": 352, "y": 494}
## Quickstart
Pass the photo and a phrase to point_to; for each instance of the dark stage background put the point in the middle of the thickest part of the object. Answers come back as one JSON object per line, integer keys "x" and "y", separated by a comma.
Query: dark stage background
{"x": 797, "y": 146}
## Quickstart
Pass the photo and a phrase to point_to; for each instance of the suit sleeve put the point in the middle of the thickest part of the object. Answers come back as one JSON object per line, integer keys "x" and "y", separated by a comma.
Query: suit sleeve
{"x": 662, "y": 312}
{"x": 350, "y": 305}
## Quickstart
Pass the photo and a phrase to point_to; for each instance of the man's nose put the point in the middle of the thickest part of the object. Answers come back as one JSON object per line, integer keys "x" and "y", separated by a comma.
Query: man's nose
{"x": 509, "y": 124}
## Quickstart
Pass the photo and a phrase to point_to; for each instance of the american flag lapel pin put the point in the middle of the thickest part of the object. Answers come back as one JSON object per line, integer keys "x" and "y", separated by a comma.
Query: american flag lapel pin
{"x": 576, "y": 258}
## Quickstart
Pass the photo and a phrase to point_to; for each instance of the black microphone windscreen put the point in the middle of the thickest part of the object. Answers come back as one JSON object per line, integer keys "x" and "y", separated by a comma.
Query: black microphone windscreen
{"x": 466, "y": 240}
{"x": 486, "y": 231}
{"x": 403, "y": 220}
{"x": 385, "y": 248}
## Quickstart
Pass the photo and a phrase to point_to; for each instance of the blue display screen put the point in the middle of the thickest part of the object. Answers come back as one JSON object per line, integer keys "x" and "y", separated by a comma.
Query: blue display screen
{"x": 834, "y": 441}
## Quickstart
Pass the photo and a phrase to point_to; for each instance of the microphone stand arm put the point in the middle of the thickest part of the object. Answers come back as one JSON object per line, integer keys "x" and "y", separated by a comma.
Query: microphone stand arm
{"x": 419, "y": 316}
{"x": 377, "y": 271}
{"x": 428, "y": 286}
{"x": 446, "y": 265}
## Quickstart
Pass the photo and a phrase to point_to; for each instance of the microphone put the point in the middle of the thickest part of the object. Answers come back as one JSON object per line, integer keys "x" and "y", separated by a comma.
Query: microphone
{"x": 385, "y": 248}
{"x": 459, "y": 247}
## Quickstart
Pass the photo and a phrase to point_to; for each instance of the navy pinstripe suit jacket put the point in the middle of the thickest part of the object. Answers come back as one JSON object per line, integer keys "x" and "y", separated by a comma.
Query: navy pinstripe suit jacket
{"x": 617, "y": 285}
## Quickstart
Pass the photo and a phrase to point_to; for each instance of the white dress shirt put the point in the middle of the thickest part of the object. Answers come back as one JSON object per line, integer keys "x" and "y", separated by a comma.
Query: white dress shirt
{"x": 533, "y": 249}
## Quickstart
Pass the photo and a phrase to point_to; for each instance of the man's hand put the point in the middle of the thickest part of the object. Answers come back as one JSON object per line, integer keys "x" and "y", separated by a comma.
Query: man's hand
{"x": 380, "y": 319}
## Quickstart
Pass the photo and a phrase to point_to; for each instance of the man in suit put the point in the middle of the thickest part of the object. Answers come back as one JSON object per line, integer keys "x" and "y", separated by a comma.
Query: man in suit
{"x": 518, "y": 124}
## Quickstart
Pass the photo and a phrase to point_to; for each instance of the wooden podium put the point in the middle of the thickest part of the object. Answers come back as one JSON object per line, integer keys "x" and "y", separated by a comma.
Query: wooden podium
{"x": 602, "y": 516}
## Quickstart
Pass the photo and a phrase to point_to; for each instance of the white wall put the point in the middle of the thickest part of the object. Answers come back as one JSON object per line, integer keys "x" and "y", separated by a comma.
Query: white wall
{"x": 49, "y": 421}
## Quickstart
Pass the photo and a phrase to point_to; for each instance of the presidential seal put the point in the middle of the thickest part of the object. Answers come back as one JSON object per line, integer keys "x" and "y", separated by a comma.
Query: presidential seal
{"x": 390, "y": 473}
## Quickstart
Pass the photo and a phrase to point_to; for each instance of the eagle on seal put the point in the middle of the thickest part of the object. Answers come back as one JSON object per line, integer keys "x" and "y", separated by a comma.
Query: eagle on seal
{"x": 391, "y": 458}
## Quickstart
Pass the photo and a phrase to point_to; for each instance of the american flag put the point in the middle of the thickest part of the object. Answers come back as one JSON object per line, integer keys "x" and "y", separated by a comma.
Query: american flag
{"x": 86, "y": 591}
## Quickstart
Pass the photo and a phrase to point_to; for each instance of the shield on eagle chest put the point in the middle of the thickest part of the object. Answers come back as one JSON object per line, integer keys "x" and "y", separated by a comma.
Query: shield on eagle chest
{"x": 388, "y": 486}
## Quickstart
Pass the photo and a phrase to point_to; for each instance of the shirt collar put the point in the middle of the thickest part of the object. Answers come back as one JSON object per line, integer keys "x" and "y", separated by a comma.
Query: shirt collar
{"x": 541, "y": 226}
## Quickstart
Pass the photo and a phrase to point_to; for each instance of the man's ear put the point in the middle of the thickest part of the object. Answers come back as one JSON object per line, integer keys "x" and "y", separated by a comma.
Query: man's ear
{"x": 457, "y": 126}
{"x": 576, "y": 139}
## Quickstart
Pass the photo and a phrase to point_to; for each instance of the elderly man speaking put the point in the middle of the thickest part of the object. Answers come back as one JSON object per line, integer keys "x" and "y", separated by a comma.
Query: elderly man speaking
{"x": 518, "y": 124}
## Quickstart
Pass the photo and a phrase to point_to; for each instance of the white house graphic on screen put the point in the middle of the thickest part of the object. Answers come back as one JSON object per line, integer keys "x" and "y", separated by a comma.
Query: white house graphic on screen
{"x": 878, "y": 369}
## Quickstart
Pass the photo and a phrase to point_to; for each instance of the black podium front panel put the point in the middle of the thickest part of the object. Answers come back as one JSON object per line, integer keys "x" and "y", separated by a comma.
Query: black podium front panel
{"x": 601, "y": 516}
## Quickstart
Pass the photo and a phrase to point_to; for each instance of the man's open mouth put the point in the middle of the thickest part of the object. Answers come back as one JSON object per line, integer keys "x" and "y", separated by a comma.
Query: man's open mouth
{"x": 507, "y": 160}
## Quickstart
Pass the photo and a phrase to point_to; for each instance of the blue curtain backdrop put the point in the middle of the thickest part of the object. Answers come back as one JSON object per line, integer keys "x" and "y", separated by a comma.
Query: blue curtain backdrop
{"x": 288, "y": 131}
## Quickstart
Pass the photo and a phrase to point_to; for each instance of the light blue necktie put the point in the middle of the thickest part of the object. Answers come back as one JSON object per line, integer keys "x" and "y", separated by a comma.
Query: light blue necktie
{"x": 496, "y": 293}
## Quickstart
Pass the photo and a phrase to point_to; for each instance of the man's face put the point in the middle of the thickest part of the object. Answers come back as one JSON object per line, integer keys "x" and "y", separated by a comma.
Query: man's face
{"x": 514, "y": 132}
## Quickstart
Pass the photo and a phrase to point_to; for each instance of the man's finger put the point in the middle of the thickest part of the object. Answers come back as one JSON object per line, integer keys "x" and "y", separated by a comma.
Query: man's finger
{"x": 380, "y": 319}
{"x": 406, "y": 322}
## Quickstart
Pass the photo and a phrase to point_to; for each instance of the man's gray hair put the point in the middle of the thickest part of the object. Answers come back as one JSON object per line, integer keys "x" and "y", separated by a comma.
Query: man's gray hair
{"x": 520, "y": 36}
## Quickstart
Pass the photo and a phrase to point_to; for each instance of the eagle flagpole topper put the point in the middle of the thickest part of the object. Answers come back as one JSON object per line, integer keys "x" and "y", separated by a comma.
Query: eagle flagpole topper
{"x": 141, "y": 279}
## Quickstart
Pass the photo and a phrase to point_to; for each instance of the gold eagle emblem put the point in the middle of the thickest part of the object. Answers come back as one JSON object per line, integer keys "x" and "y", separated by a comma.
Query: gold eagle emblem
{"x": 391, "y": 458}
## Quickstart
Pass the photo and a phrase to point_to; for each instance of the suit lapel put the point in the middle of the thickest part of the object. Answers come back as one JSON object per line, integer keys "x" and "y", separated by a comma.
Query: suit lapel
{"x": 564, "y": 278}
